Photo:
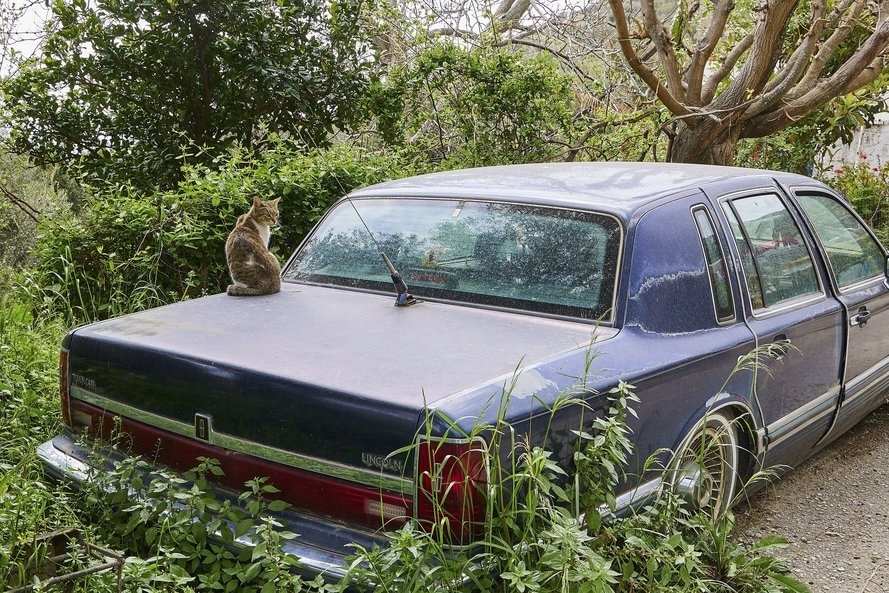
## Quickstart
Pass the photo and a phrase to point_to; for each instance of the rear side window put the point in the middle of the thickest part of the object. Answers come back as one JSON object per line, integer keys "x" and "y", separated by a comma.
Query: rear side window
{"x": 716, "y": 268}
{"x": 776, "y": 260}
{"x": 853, "y": 254}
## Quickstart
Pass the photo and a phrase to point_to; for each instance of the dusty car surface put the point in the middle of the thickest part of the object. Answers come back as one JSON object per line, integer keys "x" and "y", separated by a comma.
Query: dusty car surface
{"x": 507, "y": 278}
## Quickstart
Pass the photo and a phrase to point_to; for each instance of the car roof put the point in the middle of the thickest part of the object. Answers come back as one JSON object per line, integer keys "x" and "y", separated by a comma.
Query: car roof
{"x": 612, "y": 186}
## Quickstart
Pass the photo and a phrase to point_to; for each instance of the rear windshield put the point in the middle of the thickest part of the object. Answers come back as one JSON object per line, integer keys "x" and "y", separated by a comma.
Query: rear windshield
{"x": 548, "y": 260}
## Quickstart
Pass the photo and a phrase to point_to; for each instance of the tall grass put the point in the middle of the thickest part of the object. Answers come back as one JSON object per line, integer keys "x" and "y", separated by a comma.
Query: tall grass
{"x": 29, "y": 414}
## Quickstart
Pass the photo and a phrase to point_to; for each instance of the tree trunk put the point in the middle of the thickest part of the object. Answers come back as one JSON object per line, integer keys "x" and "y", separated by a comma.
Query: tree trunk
{"x": 690, "y": 146}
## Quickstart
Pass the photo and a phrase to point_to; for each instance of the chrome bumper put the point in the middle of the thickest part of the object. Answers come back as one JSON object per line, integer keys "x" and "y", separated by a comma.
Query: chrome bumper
{"x": 322, "y": 548}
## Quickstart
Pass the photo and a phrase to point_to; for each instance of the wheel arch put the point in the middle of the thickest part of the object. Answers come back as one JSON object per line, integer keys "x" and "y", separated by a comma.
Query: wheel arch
{"x": 739, "y": 411}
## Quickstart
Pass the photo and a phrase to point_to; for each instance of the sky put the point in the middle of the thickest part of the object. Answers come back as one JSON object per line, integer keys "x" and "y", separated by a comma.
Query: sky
{"x": 25, "y": 33}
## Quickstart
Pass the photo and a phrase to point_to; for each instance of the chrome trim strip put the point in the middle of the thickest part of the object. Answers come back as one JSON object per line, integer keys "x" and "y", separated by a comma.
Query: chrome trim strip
{"x": 814, "y": 408}
{"x": 789, "y": 305}
{"x": 862, "y": 284}
{"x": 631, "y": 497}
{"x": 303, "y": 462}
{"x": 867, "y": 379}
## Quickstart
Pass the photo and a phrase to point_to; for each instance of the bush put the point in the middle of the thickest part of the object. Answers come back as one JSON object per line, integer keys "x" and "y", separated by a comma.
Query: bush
{"x": 128, "y": 251}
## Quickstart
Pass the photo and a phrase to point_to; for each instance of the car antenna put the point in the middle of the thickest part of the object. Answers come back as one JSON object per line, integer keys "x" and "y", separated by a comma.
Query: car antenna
{"x": 403, "y": 298}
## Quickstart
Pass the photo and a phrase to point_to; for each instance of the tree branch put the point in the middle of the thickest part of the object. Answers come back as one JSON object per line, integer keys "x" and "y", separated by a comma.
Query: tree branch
{"x": 21, "y": 204}
{"x": 623, "y": 36}
{"x": 561, "y": 55}
{"x": 695, "y": 76}
{"x": 791, "y": 72}
{"x": 728, "y": 65}
{"x": 508, "y": 15}
{"x": 657, "y": 32}
{"x": 860, "y": 69}
{"x": 763, "y": 54}
{"x": 574, "y": 150}
{"x": 810, "y": 78}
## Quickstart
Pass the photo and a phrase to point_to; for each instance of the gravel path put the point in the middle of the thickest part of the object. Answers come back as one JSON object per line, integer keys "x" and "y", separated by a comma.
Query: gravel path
{"x": 834, "y": 510}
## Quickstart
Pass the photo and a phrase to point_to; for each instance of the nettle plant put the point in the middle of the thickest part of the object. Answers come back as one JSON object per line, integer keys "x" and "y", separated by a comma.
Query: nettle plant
{"x": 545, "y": 527}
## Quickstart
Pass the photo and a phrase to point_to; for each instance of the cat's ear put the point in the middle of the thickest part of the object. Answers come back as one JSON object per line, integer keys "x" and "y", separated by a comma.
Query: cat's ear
{"x": 256, "y": 202}
{"x": 275, "y": 201}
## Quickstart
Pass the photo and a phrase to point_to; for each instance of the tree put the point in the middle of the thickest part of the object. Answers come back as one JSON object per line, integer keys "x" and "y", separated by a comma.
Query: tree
{"x": 723, "y": 69}
{"x": 125, "y": 92}
{"x": 724, "y": 78}
{"x": 471, "y": 107}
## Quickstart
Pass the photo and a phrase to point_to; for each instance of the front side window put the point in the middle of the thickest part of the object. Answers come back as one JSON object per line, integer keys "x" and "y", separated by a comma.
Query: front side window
{"x": 853, "y": 254}
{"x": 548, "y": 260}
{"x": 776, "y": 261}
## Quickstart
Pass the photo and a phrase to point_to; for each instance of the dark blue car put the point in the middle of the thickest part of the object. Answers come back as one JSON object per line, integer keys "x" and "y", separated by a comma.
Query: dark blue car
{"x": 515, "y": 284}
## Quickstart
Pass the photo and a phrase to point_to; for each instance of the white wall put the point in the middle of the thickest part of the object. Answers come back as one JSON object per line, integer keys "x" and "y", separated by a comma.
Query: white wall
{"x": 872, "y": 142}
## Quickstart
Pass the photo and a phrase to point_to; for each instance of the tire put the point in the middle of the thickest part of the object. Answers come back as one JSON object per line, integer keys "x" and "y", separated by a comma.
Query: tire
{"x": 706, "y": 468}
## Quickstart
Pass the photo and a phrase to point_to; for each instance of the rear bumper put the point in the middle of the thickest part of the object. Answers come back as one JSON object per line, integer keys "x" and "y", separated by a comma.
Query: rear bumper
{"x": 322, "y": 547}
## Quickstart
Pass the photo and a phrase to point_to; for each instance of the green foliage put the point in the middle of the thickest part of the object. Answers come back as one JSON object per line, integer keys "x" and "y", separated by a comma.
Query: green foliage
{"x": 542, "y": 536}
{"x": 127, "y": 251}
{"x": 866, "y": 186}
{"x": 26, "y": 195}
{"x": 124, "y": 93}
{"x": 457, "y": 107}
{"x": 29, "y": 415}
{"x": 800, "y": 147}
{"x": 188, "y": 533}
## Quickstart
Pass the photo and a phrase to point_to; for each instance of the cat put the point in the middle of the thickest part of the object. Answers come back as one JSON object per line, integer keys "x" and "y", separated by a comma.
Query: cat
{"x": 253, "y": 268}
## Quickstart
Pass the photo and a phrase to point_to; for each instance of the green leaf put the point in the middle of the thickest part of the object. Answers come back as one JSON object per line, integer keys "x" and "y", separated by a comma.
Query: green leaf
{"x": 278, "y": 505}
{"x": 251, "y": 573}
{"x": 243, "y": 527}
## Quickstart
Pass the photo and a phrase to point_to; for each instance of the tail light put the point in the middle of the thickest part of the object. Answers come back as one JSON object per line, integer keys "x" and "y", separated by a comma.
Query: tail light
{"x": 63, "y": 388}
{"x": 452, "y": 479}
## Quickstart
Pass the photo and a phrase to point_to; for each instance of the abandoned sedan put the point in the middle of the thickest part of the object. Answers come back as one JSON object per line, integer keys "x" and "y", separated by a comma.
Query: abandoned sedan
{"x": 514, "y": 285}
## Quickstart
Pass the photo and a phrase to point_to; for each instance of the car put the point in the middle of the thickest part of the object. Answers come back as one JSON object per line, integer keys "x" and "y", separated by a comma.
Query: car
{"x": 420, "y": 309}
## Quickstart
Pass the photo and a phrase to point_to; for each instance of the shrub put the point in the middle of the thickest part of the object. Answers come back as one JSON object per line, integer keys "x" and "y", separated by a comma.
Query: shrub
{"x": 128, "y": 251}
{"x": 866, "y": 186}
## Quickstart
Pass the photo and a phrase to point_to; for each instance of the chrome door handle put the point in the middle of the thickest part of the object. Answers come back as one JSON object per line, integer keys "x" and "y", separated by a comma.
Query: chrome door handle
{"x": 782, "y": 341}
{"x": 860, "y": 319}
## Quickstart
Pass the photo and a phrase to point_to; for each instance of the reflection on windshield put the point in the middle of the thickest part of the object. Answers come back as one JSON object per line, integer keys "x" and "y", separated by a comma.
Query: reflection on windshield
{"x": 540, "y": 259}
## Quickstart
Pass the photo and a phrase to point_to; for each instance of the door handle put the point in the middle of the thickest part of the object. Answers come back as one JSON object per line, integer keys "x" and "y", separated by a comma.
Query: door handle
{"x": 860, "y": 318}
{"x": 783, "y": 343}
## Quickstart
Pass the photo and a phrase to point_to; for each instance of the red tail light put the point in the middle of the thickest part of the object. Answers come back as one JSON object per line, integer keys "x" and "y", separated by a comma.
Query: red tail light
{"x": 63, "y": 388}
{"x": 452, "y": 479}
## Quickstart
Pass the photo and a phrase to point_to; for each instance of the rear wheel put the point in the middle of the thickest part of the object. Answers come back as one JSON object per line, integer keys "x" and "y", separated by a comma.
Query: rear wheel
{"x": 705, "y": 471}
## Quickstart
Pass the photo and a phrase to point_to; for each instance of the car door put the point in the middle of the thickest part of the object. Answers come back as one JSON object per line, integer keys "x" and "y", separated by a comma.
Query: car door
{"x": 858, "y": 276}
{"x": 798, "y": 389}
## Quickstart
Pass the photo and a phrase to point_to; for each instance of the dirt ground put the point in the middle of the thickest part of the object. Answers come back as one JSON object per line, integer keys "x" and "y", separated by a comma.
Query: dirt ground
{"x": 834, "y": 511}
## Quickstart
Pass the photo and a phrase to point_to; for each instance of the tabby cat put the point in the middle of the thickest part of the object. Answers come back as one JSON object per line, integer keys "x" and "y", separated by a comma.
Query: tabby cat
{"x": 254, "y": 270}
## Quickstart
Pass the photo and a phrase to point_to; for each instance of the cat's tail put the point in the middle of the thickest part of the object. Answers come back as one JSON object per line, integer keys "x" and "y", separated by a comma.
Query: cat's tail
{"x": 243, "y": 290}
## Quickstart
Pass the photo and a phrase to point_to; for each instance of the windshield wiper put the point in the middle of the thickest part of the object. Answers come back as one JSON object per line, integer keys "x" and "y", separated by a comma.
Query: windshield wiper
{"x": 404, "y": 298}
